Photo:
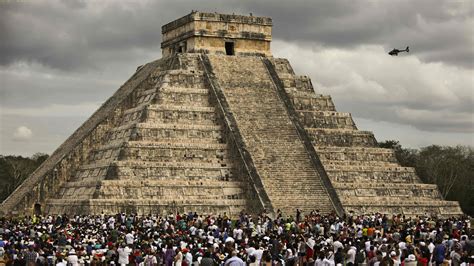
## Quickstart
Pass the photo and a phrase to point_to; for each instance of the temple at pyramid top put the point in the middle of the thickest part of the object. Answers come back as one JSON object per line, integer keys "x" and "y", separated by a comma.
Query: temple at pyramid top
{"x": 215, "y": 33}
{"x": 219, "y": 126}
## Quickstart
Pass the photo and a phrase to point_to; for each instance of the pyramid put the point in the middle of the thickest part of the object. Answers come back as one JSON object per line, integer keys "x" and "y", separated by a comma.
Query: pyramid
{"x": 218, "y": 125}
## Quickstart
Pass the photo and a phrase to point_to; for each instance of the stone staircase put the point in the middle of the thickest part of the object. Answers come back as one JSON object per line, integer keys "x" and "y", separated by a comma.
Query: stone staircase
{"x": 167, "y": 153}
{"x": 367, "y": 179}
{"x": 270, "y": 137}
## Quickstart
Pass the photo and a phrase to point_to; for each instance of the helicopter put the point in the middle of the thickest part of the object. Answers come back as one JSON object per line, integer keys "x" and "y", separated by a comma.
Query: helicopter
{"x": 395, "y": 52}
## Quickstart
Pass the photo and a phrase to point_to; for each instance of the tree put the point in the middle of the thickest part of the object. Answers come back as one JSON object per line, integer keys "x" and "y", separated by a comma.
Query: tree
{"x": 450, "y": 168}
{"x": 406, "y": 157}
{"x": 15, "y": 169}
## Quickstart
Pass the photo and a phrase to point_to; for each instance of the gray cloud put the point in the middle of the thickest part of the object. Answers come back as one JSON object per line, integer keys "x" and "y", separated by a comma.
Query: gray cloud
{"x": 69, "y": 34}
{"x": 59, "y": 59}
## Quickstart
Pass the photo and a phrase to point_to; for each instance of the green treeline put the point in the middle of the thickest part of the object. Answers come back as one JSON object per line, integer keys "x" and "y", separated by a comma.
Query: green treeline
{"x": 15, "y": 169}
{"x": 451, "y": 168}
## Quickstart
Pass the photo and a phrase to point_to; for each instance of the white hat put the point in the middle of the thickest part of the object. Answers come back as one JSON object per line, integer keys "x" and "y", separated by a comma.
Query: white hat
{"x": 393, "y": 253}
{"x": 411, "y": 257}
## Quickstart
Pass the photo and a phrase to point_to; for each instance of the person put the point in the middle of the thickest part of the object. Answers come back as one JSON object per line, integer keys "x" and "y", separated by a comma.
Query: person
{"x": 124, "y": 252}
{"x": 31, "y": 256}
{"x": 169, "y": 255}
{"x": 188, "y": 257}
{"x": 351, "y": 256}
{"x": 360, "y": 257}
{"x": 456, "y": 256}
{"x": 320, "y": 260}
{"x": 339, "y": 257}
{"x": 234, "y": 260}
{"x": 150, "y": 259}
{"x": 207, "y": 259}
{"x": 410, "y": 260}
{"x": 421, "y": 257}
{"x": 72, "y": 258}
{"x": 61, "y": 262}
{"x": 178, "y": 258}
{"x": 439, "y": 253}
{"x": 394, "y": 258}
{"x": 289, "y": 257}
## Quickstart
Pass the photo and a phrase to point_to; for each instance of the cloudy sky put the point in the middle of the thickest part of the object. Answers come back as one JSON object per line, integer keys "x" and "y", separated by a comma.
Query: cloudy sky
{"x": 59, "y": 60}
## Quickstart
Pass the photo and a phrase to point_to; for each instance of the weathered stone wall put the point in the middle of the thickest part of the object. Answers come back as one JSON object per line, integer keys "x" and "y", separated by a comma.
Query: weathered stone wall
{"x": 218, "y": 133}
{"x": 367, "y": 179}
{"x": 63, "y": 163}
{"x": 168, "y": 151}
{"x": 208, "y": 32}
{"x": 271, "y": 139}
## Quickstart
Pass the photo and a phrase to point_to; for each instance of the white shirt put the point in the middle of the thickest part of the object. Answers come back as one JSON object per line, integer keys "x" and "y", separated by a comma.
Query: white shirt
{"x": 258, "y": 255}
{"x": 123, "y": 255}
{"x": 351, "y": 254}
{"x": 129, "y": 238}
{"x": 250, "y": 251}
{"x": 73, "y": 260}
{"x": 238, "y": 233}
{"x": 337, "y": 244}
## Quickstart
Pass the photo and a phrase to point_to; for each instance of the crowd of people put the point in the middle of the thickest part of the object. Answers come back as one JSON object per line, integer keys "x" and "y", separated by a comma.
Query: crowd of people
{"x": 193, "y": 239}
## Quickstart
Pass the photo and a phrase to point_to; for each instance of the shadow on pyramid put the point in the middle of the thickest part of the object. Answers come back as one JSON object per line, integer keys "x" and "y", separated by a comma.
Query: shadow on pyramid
{"x": 219, "y": 126}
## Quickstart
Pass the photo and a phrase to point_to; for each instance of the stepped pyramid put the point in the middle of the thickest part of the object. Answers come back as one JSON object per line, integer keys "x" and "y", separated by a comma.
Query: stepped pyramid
{"x": 219, "y": 125}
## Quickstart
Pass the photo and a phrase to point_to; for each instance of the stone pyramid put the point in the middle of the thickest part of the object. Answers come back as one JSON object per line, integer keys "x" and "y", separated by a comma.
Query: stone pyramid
{"x": 218, "y": 125}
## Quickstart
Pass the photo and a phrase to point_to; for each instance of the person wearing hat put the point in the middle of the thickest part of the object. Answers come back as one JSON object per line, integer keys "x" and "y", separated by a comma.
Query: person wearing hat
{"x": 188, "y": 257}
{"x": 72, "y": 258}
{"x": 411, "y": 260}
{"x": 394, "y": 257}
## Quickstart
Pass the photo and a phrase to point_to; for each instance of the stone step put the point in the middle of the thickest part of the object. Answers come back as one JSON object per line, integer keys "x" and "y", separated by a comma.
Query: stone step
{"x": 301, "y": 83}
{"x": 310, "y": 101}
{"x": 94, "y": 170}
{"x": 366, "y": 190}
{"x": 282, "y": 67}
{"x": 386, "y": 185}
{"x": 409, "y": 209}
{"x": 152, "y": 188}
{"x": 326, "y": 119}
{"x": 178, "y": 152}
{"x": 145, "y": 206}
{"x": 390, "y": 201}
{"x": 270, "y": 136}
{"x": 155, "y": 131}
{"x": 175, "y": 145}
{"x": 341, "y": 137}
{"x": 184, "y": 78}
{"x": 361, "y": 154}
{"x": 149, "y": 91}
{"x": 183, "y": 96}
{"x": 189, "y": 62}
{"x": 368, "y": 174}
{"x": 181, "y": 114}
{"x": 337, "y": 163}
{"x": 204, "y": 189}
{"x": 105, "y": 152}
{"x": 158, "y": 131}
{"x": 164, "y": 170}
